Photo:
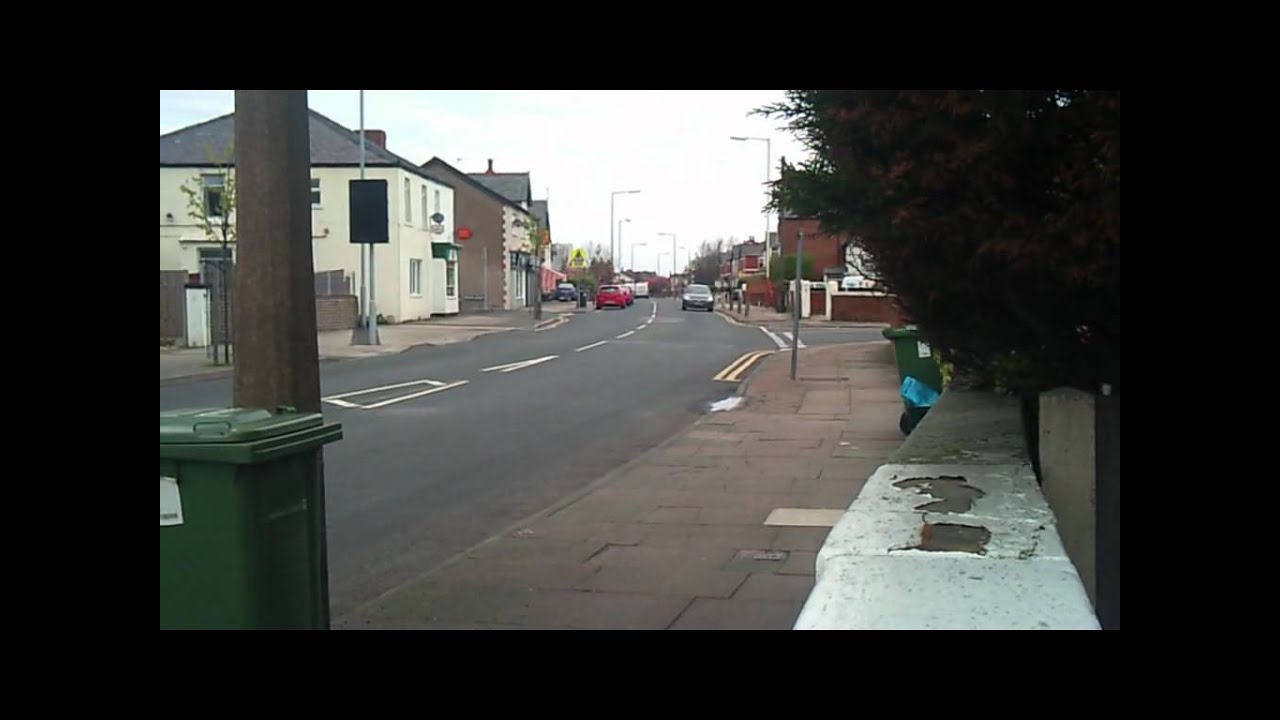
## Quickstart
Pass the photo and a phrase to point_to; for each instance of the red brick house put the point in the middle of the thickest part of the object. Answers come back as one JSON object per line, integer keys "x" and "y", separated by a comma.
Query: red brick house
{"x": 827, "y": 251}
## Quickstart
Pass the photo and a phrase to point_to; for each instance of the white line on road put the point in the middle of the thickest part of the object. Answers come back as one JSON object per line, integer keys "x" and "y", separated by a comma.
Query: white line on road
{"x": 592, "y": 345}
{"x": 442, "y": 388}
{"x": 774, "y": 337}
{"x": 509, "y": 367}
{"x": 641, "y": 327}
{"x": 787, "y": 336}
{"x": 437, "y": 383}
{"x": 626, "y": 334}
{"x": 340, "y": 403}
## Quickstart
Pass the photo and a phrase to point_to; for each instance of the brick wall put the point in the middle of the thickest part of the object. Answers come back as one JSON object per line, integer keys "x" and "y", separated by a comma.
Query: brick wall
{"x": 336, "y": 312}
{"x": 759, "y": 292}
{"x": 866, "y": 308}
{"x": 479, "y": 211}
{"x": 817, "y": 301}
{"x": 826, "y": 250}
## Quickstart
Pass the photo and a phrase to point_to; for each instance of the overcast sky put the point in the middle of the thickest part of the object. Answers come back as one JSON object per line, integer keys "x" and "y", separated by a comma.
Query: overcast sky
{"x": 578, "y": 145}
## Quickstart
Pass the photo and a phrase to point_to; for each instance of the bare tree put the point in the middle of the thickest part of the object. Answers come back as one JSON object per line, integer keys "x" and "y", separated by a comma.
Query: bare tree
{"x": 211, "y": 202}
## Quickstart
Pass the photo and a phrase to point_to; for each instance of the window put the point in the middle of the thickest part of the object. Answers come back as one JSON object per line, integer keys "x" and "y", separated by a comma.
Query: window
{"x": 450, "y": 279}
{"x": 424, "y": 205}
{"x": 315, "y": 192}
{"x": 214, "y": 188}
{"x": 436, "y": 206}
{"x": 408, "y": 209}
{"x": 415, "y": 277}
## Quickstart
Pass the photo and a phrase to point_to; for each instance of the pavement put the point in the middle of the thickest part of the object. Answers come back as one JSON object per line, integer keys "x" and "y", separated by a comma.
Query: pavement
{"x": 445, "y": 446}
{"x": 717, "y": 527}
{"x": 184, "y": 364}
{"x": 768, "y": 316}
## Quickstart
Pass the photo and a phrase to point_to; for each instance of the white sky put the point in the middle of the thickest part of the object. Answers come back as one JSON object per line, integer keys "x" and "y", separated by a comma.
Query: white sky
{"x": 673, "y": 145}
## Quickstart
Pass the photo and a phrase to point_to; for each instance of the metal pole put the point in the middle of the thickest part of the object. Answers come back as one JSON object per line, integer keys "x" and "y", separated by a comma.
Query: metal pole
{"x": 537, "y": 297}
{"x": 486, "y": 278}
{"x": 619, "y": 238}
{"x": 373, "y": 270}
{"x": 795, "y": 322}
{"x": 364, "y": 275}
{"x": 768, "y": 171}
{"x": 612, "y": 257}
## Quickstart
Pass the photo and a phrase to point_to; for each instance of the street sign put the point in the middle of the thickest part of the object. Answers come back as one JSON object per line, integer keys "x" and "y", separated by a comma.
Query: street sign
{"x": 578, "y": 260}
{"x": 437, "y": 229}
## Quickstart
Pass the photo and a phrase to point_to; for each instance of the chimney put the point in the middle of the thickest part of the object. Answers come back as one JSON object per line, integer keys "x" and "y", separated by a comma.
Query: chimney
{"x": 490, "y": 170}
{"x": 375, "y": 137}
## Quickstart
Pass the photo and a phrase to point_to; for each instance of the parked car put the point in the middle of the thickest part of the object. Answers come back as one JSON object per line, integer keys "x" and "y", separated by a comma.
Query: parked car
{"x": 642, "y": 289}
{"x": 611, "y": 296}
{"x": 698, "y": 296}
{"x": 566, "y": 292}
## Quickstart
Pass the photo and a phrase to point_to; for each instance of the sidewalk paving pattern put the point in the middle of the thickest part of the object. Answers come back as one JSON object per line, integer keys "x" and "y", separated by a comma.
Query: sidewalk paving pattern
{"x": 678, "y": 539}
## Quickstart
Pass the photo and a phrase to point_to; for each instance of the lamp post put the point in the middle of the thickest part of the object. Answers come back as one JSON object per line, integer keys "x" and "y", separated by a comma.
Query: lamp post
{"x": 673, "y": 250}
{"x": 662, "y": 255}
{"x": 633, "y": 253}
{"x": 620, "y": 239}
{"x": 768, "y": 176}
{"x": 613, "y": 196}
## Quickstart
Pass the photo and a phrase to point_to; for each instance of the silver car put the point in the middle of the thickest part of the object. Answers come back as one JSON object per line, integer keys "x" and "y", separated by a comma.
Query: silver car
{"x": 698, "y": 296}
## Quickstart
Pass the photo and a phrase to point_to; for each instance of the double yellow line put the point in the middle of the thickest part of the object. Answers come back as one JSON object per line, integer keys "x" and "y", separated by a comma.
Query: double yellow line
{"x": 739, "y": 367}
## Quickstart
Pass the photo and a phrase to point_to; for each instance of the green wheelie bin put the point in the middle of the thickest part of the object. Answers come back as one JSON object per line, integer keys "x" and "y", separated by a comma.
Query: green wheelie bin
{"x": 242, "y": 527}
{"x": 915, "y": 359}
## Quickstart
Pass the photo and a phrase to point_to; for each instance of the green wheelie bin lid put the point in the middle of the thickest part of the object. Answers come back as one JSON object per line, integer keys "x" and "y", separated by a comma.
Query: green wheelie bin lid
{"x": 241, "y": 435}
{"x": 906, "y": 332}
{"x": 230, "y": 425}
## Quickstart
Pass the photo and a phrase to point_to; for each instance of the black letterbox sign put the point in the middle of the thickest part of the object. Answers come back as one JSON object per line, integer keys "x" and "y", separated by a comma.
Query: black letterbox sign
{"x": 368, "y": 211}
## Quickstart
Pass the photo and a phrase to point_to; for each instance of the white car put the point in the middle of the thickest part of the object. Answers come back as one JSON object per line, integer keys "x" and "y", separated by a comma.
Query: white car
{"x": 642, "y": 290}
{"x": 853, "y": 282}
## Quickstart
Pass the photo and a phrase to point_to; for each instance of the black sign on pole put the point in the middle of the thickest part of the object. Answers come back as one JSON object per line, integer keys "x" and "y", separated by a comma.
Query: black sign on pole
{"x": 368, "y": 211}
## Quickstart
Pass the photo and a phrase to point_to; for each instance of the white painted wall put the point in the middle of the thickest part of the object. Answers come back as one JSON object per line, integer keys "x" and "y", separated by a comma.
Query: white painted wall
{"x": 871, "y": 574}
{"x": 181, "y": 239}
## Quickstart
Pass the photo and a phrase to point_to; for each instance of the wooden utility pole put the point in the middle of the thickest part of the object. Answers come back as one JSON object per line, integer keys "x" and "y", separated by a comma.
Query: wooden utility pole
{"x": 277, "y": 355}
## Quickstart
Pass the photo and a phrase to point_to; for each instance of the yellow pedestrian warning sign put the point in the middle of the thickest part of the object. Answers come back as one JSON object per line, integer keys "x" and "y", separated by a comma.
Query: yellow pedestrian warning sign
{"x": 578, "y": 260}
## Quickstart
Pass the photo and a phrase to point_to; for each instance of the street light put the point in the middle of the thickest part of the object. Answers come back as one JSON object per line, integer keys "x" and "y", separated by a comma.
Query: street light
{"x": 613, "y": 196}
{"x": 768, "y": 177}
{"x": 673, "y": 250}
{"x": 620, "y": 240}
{"x": 633, "y": 253}
{"x": 662, "y": 255}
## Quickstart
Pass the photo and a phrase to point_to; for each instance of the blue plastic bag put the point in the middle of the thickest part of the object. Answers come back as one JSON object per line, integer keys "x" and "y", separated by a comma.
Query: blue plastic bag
{"x": 917, "y": 394}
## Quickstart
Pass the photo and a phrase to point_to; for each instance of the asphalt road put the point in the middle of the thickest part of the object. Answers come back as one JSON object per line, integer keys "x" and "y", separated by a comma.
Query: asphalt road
{"x": 426, "y": 470}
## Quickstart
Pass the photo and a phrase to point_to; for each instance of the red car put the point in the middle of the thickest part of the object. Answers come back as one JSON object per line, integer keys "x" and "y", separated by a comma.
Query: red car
{"x": 611, "y": 295}
{"x": 630, "y": 298}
